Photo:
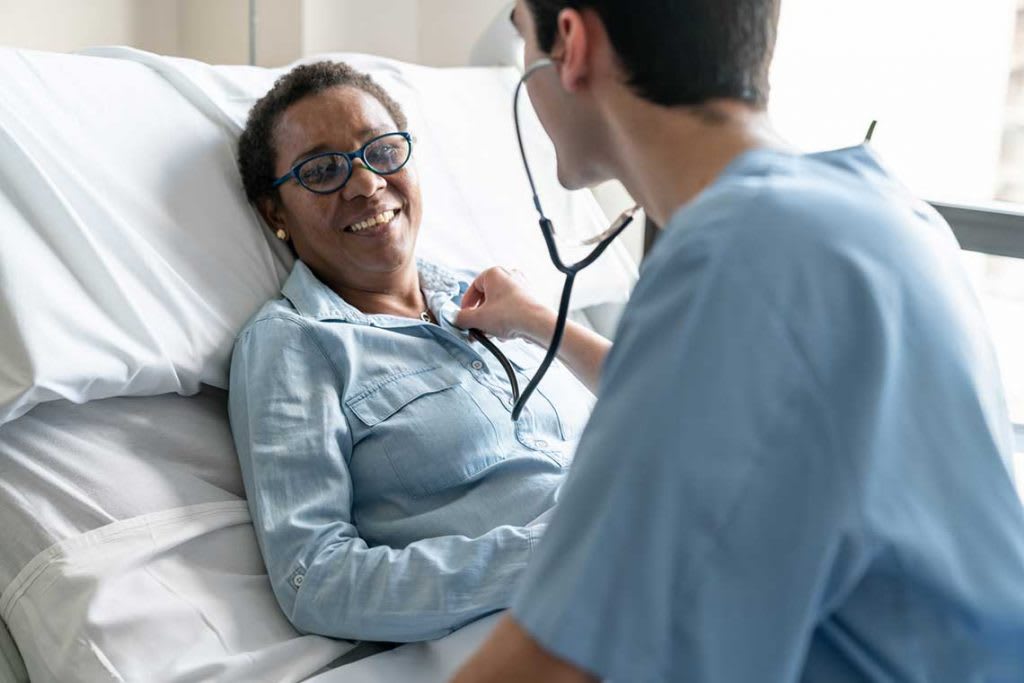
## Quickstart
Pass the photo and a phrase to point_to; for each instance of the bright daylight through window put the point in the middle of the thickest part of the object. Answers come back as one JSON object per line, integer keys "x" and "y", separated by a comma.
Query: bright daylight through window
{"x": 945, "y": 80}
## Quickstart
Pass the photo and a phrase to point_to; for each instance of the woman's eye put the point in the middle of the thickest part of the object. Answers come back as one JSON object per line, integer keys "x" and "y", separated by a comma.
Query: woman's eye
{"x": 322, "y": 171}
{"x": 384, "y": 156}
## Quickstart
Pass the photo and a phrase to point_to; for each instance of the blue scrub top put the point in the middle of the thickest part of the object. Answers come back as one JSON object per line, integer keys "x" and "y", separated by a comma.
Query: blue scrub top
{"x": 797, "y": 467}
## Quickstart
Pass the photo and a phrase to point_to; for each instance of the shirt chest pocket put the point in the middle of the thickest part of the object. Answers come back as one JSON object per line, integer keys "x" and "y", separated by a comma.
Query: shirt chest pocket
{"x": 427, "y": 428}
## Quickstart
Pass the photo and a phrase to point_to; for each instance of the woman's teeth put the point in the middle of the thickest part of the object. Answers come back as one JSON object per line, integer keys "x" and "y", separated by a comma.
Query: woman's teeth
{"x": 380, "y": 219}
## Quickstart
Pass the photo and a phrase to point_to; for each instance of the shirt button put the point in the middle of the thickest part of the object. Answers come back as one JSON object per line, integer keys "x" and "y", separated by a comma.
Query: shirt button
{"x": 477, "y": 365}
{"x": 541, "y": 444}
{"x": 297, "y": 581}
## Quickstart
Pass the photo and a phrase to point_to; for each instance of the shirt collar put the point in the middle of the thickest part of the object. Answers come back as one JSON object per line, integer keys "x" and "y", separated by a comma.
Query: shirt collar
{"x": 313, "y": 299}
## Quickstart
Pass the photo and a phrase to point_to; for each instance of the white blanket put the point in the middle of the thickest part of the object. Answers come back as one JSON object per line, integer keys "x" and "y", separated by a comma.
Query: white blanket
{"x": 69, "y": 469}
{"x": 431, "y": 662}
{"x": 179, "y": 595}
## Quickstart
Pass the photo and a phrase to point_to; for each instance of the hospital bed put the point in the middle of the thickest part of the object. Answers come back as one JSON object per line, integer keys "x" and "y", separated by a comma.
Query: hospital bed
{"x": 129, "y": 260}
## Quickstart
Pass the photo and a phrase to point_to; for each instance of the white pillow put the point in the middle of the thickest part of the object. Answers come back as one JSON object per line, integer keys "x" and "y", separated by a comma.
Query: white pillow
{"x": 130, "y": 256}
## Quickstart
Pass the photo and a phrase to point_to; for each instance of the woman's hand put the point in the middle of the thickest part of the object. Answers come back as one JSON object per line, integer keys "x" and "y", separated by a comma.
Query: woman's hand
{"x": 499, "y": 304}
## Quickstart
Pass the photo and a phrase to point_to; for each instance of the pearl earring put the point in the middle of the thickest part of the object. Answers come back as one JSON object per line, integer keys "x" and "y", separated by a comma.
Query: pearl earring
{"x": 281, "y": 234}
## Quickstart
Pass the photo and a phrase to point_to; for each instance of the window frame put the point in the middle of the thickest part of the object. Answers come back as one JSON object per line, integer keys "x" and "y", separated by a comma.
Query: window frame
{"x": 996, "y": 229}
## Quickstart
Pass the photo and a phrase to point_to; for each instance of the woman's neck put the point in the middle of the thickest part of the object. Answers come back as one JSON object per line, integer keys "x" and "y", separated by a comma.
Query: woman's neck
{"x": 396, "y": 293}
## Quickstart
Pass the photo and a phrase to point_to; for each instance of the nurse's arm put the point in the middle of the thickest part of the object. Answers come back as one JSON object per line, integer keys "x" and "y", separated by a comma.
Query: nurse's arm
{"x": 511, "y": 655}
{"x": 499, "y": 304}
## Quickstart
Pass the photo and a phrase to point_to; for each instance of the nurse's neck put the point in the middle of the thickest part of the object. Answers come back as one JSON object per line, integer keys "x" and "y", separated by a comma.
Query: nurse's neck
{"x": 665, "y": 156}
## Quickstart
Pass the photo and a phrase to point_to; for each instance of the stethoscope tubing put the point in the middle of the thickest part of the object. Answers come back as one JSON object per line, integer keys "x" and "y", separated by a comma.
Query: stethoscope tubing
{"x": 502, "y": 358}
{"x": 569, "y": 270}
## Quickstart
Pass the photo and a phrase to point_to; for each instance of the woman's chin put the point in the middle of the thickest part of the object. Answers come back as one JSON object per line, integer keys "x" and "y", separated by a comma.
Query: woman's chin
{"x": 388, "y": 257}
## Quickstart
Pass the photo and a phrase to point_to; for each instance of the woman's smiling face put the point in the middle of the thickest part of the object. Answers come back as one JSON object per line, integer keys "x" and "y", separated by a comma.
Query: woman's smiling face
{"x": 367, "y": 227}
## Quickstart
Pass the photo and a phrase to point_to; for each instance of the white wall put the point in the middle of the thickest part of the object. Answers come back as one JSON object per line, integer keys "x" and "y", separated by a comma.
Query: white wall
{"x": 279, "y": 32}
{"x": 384, "y": 27}
{"x": 215, "y": 31}
{"x": 432, "y": 32}
{"x": 65, "y": 25}
{"x": 448, "y": 29}
{"x": 156, "y": 26}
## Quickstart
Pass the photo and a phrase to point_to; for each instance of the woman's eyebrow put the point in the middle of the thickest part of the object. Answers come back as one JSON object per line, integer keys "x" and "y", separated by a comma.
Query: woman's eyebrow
{"x": 373, "y": 131}
{"x": 308, "y": 153}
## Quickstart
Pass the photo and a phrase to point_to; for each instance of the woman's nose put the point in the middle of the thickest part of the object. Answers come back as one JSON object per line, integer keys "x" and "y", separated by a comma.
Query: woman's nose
{"x": 362, "y": 183}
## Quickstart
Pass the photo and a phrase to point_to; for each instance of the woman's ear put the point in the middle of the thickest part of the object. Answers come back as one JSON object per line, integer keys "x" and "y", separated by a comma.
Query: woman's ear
{"x": 274, "y": 216}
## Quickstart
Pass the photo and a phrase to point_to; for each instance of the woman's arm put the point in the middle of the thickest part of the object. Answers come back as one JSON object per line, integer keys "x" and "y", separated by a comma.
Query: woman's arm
{"x": 294, "y": 447}
{"x": 498, "y": 304}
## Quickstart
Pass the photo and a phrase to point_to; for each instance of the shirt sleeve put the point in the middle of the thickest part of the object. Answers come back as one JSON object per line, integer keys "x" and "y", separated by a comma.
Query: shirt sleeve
{"x": 694, "y": 538}
{"x": 294, "y": 447}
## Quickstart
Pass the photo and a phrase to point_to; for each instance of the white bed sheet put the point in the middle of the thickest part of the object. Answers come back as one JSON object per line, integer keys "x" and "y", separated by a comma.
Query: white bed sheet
{"x": 128, "y": 552}
{"x": 169, "y": 597}
{"x": 430, "y": 662}
{"x": 66, "y": 469}
{"x": 12, "y": 668}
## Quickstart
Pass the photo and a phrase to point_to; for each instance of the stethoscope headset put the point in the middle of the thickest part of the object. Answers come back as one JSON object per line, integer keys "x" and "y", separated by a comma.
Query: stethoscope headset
{"x": 570, "y": 270}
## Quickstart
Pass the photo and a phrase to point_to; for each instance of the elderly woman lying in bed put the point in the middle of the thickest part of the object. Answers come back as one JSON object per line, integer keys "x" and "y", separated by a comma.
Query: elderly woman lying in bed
{"x": 392, "y": 496}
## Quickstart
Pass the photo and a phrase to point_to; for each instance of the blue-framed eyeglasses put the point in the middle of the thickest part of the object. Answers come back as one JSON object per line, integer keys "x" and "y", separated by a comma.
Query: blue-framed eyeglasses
{"x": 328, "y": 172}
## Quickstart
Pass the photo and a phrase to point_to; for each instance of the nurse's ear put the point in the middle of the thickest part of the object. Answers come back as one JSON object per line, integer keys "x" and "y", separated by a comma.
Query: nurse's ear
{"x": 581, "y": 48}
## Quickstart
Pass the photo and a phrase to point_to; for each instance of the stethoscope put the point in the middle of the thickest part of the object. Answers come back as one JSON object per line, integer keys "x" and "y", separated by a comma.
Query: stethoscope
{"x": 601, "y": 240}
{"x": 569, "y": 270}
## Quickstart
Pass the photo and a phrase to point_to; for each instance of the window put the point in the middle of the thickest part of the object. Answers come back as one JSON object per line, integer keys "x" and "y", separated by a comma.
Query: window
{"x": 945, "y": 81}
{"x": 936, "y": 74}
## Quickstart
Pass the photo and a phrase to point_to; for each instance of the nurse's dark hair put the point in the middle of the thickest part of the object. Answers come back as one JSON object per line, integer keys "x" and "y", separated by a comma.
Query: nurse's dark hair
{"x": 257, "y": 156}
{"x": 681, "y": 52}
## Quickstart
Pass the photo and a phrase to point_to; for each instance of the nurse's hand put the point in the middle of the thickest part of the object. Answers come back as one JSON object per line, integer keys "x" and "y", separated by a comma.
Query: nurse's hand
{"x": 499, "y": 304}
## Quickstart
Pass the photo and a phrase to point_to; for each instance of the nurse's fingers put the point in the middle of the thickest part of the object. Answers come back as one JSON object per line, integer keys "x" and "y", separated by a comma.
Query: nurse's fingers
{"x": 474, "y": 295}
{"x": 489, "y": 280}
{"x": 489, "y": 303}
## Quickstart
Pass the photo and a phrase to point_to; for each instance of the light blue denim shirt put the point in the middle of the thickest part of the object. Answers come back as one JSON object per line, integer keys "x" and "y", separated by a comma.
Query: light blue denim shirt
{"x": 391, "y": 493}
